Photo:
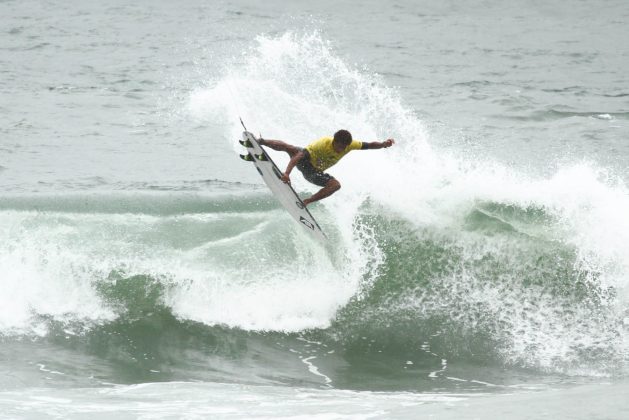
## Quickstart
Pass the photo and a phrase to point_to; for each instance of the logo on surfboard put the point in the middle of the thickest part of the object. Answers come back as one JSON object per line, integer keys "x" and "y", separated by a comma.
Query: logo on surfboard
{"x": 306, "y": 222}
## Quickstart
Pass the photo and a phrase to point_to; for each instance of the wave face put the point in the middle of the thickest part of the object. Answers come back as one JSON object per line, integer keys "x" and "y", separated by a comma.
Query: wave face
{"x": 433, "y": 257}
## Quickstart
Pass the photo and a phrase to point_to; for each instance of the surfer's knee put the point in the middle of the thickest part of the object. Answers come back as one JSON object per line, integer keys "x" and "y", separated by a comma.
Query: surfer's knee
{"x": 334, "y": 185}
{"x": 292, "y": 150}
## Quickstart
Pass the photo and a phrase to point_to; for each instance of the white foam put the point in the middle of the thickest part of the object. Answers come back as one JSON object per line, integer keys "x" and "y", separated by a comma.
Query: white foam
{"x": 42, "y": 276}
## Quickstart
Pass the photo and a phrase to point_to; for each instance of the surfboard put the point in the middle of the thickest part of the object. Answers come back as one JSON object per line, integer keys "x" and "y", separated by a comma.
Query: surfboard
{"x": 285, "y": 193}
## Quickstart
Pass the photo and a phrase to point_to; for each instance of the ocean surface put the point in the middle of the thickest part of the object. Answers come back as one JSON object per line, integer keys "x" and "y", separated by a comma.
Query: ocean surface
{"x": 478, "y": 269}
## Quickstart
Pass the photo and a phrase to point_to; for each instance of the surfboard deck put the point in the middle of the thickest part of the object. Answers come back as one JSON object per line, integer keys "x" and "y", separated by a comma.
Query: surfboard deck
{"x": 285, "y": 193}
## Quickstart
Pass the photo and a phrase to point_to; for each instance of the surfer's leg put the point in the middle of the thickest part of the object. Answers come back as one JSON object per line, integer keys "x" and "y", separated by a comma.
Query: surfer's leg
{"x": 280, "y": 146}
{"x": 330, "y": 188}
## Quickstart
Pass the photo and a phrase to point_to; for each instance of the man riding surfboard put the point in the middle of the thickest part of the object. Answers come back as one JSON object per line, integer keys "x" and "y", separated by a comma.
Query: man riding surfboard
{"x": 320, "y": 155}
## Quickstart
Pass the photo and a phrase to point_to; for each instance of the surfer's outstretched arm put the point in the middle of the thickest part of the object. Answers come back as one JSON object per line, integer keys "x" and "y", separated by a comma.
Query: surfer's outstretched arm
{"x": 378, "y": 144}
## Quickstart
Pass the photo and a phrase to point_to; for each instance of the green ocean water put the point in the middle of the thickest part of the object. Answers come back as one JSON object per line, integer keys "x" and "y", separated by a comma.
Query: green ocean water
{"x": 477, "y": 269}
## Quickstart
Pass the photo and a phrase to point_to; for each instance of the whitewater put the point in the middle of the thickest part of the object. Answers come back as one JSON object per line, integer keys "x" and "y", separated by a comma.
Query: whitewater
{"x": 478, "y": 269}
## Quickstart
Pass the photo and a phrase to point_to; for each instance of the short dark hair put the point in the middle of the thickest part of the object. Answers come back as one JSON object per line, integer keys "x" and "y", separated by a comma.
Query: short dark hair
{"x": 343, "y": 136}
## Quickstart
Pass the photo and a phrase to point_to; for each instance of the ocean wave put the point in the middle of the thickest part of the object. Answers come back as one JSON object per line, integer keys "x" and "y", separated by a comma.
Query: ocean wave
{"x": 496, "y": 287}
{"x": 431, "y": 255}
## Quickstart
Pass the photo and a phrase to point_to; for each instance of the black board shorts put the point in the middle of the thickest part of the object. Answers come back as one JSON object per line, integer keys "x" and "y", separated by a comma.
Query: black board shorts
{"x": 311, "y": 173}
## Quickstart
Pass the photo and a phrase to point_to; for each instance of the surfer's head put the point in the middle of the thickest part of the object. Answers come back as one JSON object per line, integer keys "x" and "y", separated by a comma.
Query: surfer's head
{"x": 342, "y": 139}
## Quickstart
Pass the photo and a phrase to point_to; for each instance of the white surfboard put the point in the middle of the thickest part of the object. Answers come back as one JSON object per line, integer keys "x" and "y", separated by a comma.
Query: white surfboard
{"x": 283, "y": 192}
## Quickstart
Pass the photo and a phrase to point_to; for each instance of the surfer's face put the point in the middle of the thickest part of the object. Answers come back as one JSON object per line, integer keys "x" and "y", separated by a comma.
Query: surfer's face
{"x": 338, "y": 146}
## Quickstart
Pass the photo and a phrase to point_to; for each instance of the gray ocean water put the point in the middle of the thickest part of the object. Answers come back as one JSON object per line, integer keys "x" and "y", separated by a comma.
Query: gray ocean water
{"x": 478, "y": 269}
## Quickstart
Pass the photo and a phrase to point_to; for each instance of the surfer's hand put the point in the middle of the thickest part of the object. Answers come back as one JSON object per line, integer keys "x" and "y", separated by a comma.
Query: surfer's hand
{"x": 285, "y": 178}
{"x": 388, "y": 143}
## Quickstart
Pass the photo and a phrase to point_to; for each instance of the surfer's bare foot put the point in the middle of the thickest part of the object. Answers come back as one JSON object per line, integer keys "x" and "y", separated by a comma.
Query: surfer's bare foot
{"x": 262, "y": 142}
{"x": 307, "y": 201}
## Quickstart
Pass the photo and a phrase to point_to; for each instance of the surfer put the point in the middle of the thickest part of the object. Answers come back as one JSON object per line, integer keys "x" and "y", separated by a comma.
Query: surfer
{"x": 318, "y": 156}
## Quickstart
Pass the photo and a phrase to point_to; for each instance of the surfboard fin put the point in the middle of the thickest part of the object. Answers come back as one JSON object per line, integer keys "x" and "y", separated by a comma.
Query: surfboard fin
{"x": 247, "y": 157}
{"x": 261, "y": 157}
{"x": 245, "y": 143}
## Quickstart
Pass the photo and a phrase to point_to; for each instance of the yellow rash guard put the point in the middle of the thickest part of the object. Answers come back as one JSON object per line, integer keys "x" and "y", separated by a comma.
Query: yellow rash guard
{"x": 322, "y": 154}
